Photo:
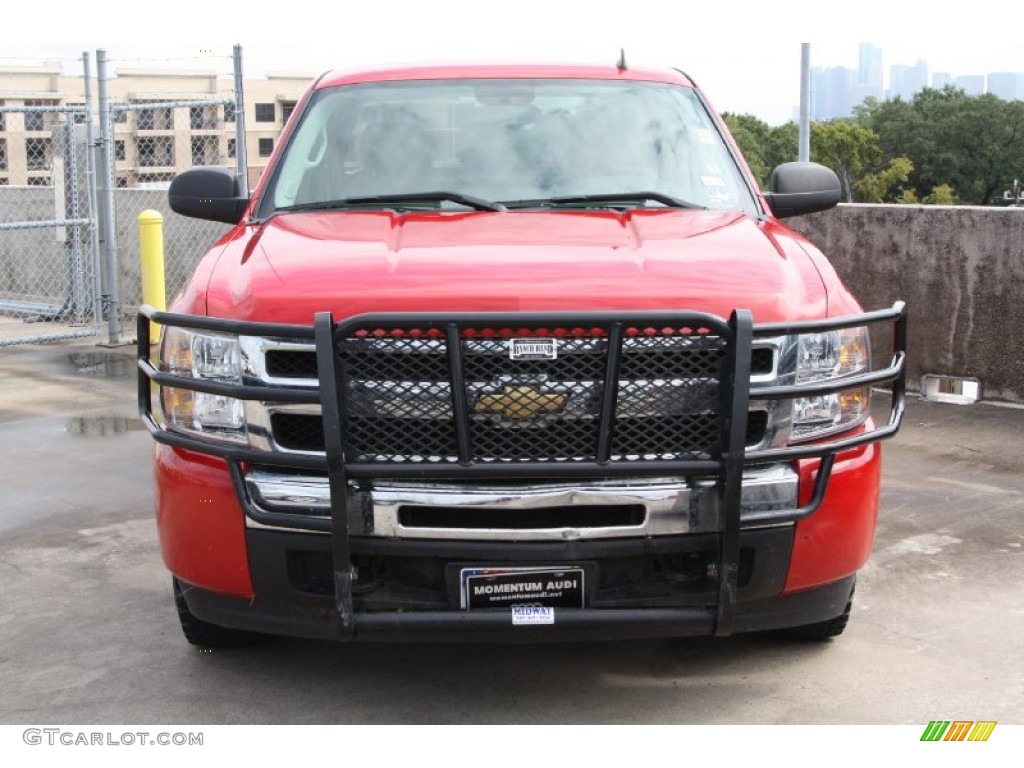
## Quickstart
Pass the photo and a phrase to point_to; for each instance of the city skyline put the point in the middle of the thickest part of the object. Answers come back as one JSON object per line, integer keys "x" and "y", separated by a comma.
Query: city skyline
{"x": 836, "y": 91}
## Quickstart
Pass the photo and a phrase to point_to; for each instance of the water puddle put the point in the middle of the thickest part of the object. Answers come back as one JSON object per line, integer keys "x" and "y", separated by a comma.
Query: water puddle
{"x": 102, "y": 426}
{"x": 103, "y": 365}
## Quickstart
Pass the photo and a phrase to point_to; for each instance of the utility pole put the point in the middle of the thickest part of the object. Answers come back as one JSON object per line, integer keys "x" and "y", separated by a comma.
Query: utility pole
{"x": 805, "y": 102}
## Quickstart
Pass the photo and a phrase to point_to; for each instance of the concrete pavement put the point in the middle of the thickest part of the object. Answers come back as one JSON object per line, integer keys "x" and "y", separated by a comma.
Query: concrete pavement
{"x": 88, "y": 632}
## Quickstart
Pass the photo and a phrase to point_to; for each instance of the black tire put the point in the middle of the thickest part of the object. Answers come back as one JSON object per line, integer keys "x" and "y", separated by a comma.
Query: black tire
{"x": 205, "y": 635}
{"x": 822, "y": 630}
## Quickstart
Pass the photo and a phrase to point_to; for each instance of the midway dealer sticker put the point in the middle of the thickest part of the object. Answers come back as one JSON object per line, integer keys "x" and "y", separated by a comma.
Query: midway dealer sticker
{"x": 532, "y": 614}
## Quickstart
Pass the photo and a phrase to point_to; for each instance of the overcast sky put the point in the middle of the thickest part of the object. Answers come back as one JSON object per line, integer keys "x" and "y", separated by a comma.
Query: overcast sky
{"x": 745, "y": 55}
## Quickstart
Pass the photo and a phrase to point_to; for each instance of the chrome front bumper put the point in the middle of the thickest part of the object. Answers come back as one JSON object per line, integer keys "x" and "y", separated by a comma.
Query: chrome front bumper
{"x": 670, "y": 506}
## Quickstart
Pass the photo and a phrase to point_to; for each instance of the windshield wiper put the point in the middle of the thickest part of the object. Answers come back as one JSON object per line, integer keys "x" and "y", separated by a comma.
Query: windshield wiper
{"x": 398, "y": 200}
{"x": 611, "y": 200}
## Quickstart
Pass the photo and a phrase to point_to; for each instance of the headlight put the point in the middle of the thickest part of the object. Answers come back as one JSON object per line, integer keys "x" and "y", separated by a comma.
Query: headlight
{"x": 823, "y": 357}
{"x": 209, "y": 357}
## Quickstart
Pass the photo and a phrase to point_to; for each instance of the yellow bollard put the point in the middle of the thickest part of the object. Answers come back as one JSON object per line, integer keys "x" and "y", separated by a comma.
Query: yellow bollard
{"x": 151, "y": 253}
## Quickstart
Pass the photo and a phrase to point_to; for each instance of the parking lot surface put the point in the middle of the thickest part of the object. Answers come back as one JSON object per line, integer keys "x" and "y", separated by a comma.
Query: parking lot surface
{"x": 88, "y": 632}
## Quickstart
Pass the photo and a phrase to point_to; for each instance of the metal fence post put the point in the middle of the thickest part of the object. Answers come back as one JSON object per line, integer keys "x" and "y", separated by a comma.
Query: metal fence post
{"x": 105, "y": 186}
{"x": 90, "y": 188}
{"x": 73, "y": 211}
{"x": 241, "y": 156}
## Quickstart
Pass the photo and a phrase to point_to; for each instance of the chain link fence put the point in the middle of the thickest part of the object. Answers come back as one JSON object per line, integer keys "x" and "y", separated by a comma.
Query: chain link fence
{"x": 149, "y": 139}
{"x": 71, "y": 193}
{"x": 49, "y": 286}
{"x": 159, "y": 140}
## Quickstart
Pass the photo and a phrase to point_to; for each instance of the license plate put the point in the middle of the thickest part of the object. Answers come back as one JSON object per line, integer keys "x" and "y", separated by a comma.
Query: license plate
{"x": 505, "y": 587}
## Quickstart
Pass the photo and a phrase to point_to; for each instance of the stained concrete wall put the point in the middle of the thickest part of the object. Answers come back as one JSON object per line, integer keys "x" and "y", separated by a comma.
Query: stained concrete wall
{"x": 960, "y": 270}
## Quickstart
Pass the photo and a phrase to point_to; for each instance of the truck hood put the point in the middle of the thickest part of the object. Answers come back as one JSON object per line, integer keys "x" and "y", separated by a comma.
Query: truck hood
{"x": 295, "y": 265}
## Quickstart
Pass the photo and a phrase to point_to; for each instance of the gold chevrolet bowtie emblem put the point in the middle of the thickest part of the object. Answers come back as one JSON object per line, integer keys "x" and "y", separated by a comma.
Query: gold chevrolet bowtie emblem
{"x": 520, "y": 403}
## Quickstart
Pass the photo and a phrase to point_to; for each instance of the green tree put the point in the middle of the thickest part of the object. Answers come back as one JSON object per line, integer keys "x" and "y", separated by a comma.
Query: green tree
{"x": 972, "y": 144}
{"x": 751, "y": 134}
{"x": 942, "y": 147}
{"x": 763, "y": 146}
{"x": 941, "y": 195}
{"x": 878, "y": 187}
{"x": 783, "y": 144}
{"x": 908, "y": 197}
{"x": 863, "y": 111}
{"x": 848, "y": 149}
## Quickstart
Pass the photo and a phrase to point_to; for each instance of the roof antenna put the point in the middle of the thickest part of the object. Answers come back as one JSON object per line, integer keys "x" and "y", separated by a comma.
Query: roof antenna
{"x": 621, "y": 65}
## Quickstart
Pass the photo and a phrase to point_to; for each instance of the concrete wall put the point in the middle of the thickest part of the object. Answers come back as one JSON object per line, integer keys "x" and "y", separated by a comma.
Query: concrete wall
{"x": 961, "y": 272}
{"x": 27, "y": 255}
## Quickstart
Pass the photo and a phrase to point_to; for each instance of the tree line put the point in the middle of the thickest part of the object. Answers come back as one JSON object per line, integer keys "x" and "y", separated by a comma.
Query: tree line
{"x": 942, "y": 147}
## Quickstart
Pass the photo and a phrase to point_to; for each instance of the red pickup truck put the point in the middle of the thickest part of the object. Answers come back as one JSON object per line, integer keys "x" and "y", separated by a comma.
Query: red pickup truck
{"x": 514, "y": 353}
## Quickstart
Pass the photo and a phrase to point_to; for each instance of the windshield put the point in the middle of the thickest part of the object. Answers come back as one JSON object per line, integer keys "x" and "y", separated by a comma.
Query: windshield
{"x": 521, "y": 143}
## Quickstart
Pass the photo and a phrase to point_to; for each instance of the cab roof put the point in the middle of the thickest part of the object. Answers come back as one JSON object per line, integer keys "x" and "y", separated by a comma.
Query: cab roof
{"x": 479, "y": 71}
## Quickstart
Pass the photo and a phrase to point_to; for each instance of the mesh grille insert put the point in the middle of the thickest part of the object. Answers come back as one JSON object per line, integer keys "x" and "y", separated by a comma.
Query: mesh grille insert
{"x": 400, "y": 407}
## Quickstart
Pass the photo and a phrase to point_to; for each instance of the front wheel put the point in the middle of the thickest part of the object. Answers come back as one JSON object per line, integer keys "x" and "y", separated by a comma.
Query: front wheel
{"x": 205, "y": 635}
{"x": 822, "y": 630}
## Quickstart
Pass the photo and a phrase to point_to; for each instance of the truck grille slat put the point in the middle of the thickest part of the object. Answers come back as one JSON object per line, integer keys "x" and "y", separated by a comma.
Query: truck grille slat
{"x": 304, "y": 432}
{"x": 301, "y": 364}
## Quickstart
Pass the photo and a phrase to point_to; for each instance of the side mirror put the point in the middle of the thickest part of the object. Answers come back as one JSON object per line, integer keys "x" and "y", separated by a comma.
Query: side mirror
{"x": 207, "y": 193}
{"x": 798, "y": 188}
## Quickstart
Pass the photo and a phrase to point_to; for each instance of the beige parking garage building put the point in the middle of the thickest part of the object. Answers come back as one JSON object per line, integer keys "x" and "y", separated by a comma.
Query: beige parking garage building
{"x": 150, "y": 145}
